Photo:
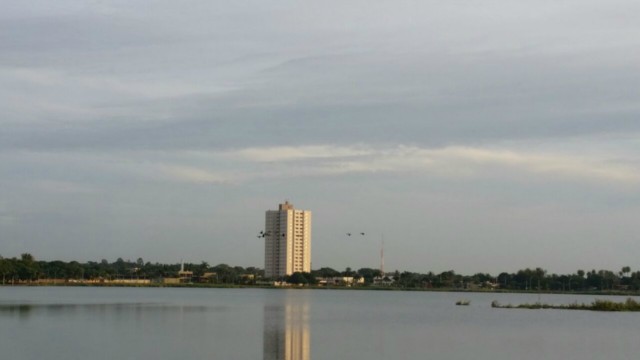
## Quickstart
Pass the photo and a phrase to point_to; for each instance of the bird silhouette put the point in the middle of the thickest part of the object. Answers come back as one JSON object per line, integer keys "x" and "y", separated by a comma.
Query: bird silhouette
{"x": 362, "y": 234}
{"x": 348, "y": 234}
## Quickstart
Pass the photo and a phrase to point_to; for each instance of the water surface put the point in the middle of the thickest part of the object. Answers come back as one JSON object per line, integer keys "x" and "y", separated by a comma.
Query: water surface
{"x": 65, "y": 323}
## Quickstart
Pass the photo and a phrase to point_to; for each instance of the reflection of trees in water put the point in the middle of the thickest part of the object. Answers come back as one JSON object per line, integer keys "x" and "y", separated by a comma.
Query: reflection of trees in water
{"x": 136, "y": 309}
{"x": 22, "y": 310}
{"x": 286, "y": 332}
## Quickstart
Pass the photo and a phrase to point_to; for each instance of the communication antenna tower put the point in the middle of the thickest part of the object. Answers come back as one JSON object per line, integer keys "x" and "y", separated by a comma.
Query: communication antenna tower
{"x": 382, "y": 257}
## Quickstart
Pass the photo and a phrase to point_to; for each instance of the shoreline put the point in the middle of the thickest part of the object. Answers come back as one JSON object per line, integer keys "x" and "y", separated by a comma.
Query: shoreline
{"x": 345, "y": 288}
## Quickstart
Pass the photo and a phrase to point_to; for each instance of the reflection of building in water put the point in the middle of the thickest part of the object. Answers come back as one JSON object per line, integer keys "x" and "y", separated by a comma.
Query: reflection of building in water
{"x": 286, "y": 332}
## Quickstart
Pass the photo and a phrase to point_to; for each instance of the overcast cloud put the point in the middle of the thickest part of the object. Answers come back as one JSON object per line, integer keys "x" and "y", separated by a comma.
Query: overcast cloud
{"x": 475, "y": 136}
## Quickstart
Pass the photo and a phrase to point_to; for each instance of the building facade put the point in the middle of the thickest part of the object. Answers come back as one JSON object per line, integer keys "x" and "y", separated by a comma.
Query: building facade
{"x": 287, "y": 242}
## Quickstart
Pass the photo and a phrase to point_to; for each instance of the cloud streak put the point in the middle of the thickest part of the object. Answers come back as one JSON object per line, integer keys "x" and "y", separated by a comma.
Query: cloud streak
{"x": 452, "y": 161}
{"x": 228, "y": 167}
{"x": 191, "y": 174}
{"x": 292, "y": 153}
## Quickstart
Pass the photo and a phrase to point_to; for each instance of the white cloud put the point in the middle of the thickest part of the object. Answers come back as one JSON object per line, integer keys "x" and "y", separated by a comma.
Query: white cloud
{"x": 451, "y": 161}
{"x": 242, "y": 165}
{"x": 191, "y": 174}
{"x": 289, "y": 153}
{"x": 573, "y": 166}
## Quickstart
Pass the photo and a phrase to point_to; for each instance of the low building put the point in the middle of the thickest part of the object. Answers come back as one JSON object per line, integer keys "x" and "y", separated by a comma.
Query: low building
{"x": 208, "y": 277}
{"x": 184, "y": 275}
{"x": 129, "y": 281}
{"x": 383, "y": 281}
{"x": 340, "y": 281}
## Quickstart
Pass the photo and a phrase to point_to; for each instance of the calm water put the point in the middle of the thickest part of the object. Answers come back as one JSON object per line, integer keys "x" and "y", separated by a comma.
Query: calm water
{"x": 61, "y": 323}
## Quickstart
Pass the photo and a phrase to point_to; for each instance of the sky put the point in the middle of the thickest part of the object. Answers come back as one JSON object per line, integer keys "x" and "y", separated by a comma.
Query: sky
{"x": 475, "y": 136}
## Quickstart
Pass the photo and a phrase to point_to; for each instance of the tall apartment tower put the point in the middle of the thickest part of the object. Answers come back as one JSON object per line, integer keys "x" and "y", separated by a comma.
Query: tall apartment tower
{"x": 287, "y": 241}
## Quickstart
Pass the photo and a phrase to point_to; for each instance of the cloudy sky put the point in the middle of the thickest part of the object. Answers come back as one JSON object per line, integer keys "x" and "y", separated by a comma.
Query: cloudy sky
{"x": 472, "y": 135}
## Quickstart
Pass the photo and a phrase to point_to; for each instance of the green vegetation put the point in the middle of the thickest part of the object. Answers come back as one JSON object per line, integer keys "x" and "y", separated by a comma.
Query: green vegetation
{"x": 597, "y": 305}
{"x": 301, "y": 278}
{"x": 28, "y": 270}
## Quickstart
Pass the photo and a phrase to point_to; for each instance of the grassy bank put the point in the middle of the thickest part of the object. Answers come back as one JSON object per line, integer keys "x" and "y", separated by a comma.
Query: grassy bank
{"x": 597, "y": 305}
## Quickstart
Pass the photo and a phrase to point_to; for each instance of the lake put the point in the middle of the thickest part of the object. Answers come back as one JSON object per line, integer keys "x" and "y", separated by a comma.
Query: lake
{"x": 66, "y": 323}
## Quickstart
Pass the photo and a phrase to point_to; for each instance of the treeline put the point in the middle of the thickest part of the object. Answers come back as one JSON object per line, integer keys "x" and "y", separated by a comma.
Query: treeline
{"x": 28, "y": 269}
{"x": 523, "y": 280}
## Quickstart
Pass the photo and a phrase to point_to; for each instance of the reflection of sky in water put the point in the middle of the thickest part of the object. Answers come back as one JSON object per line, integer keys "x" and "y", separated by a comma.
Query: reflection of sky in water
{"x": 228, "y": 324}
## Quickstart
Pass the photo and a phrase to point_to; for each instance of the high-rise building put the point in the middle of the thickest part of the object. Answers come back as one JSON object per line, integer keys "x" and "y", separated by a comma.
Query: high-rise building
{"x": 287, "y": 241}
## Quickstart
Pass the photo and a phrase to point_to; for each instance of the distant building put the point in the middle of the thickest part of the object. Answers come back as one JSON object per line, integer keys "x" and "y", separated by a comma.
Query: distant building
{"x": 172, "y": 281}
{"x": 383, "y": 280}
{"x": 184, "y": 275}
{"x": 129, "y": 281}
{"x": 287, "y": 245}
{"x": 341, "y": 281}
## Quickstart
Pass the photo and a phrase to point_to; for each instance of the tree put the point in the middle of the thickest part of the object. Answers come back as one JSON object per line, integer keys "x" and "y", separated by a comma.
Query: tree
{"x": 298, "y": 278}
{"x": 199, "y": 270}
{"x": 368, "y": 274}
{"x": 26, "y": 257}
{"x": 27, "y": 267}
{"x": 504, "y": 279}
{"x": 5, "y": 268}
{"x": 327, "y": 272}
{"x": 226, "y": 274}
{"x": 410, "y": 280}
{"x": 75, "y": 270}
{"x": 625, "y": 270}
{"x": 446, "y": 279}
{"x": 481, "y": 278}
{"x": 301, "y": 278}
